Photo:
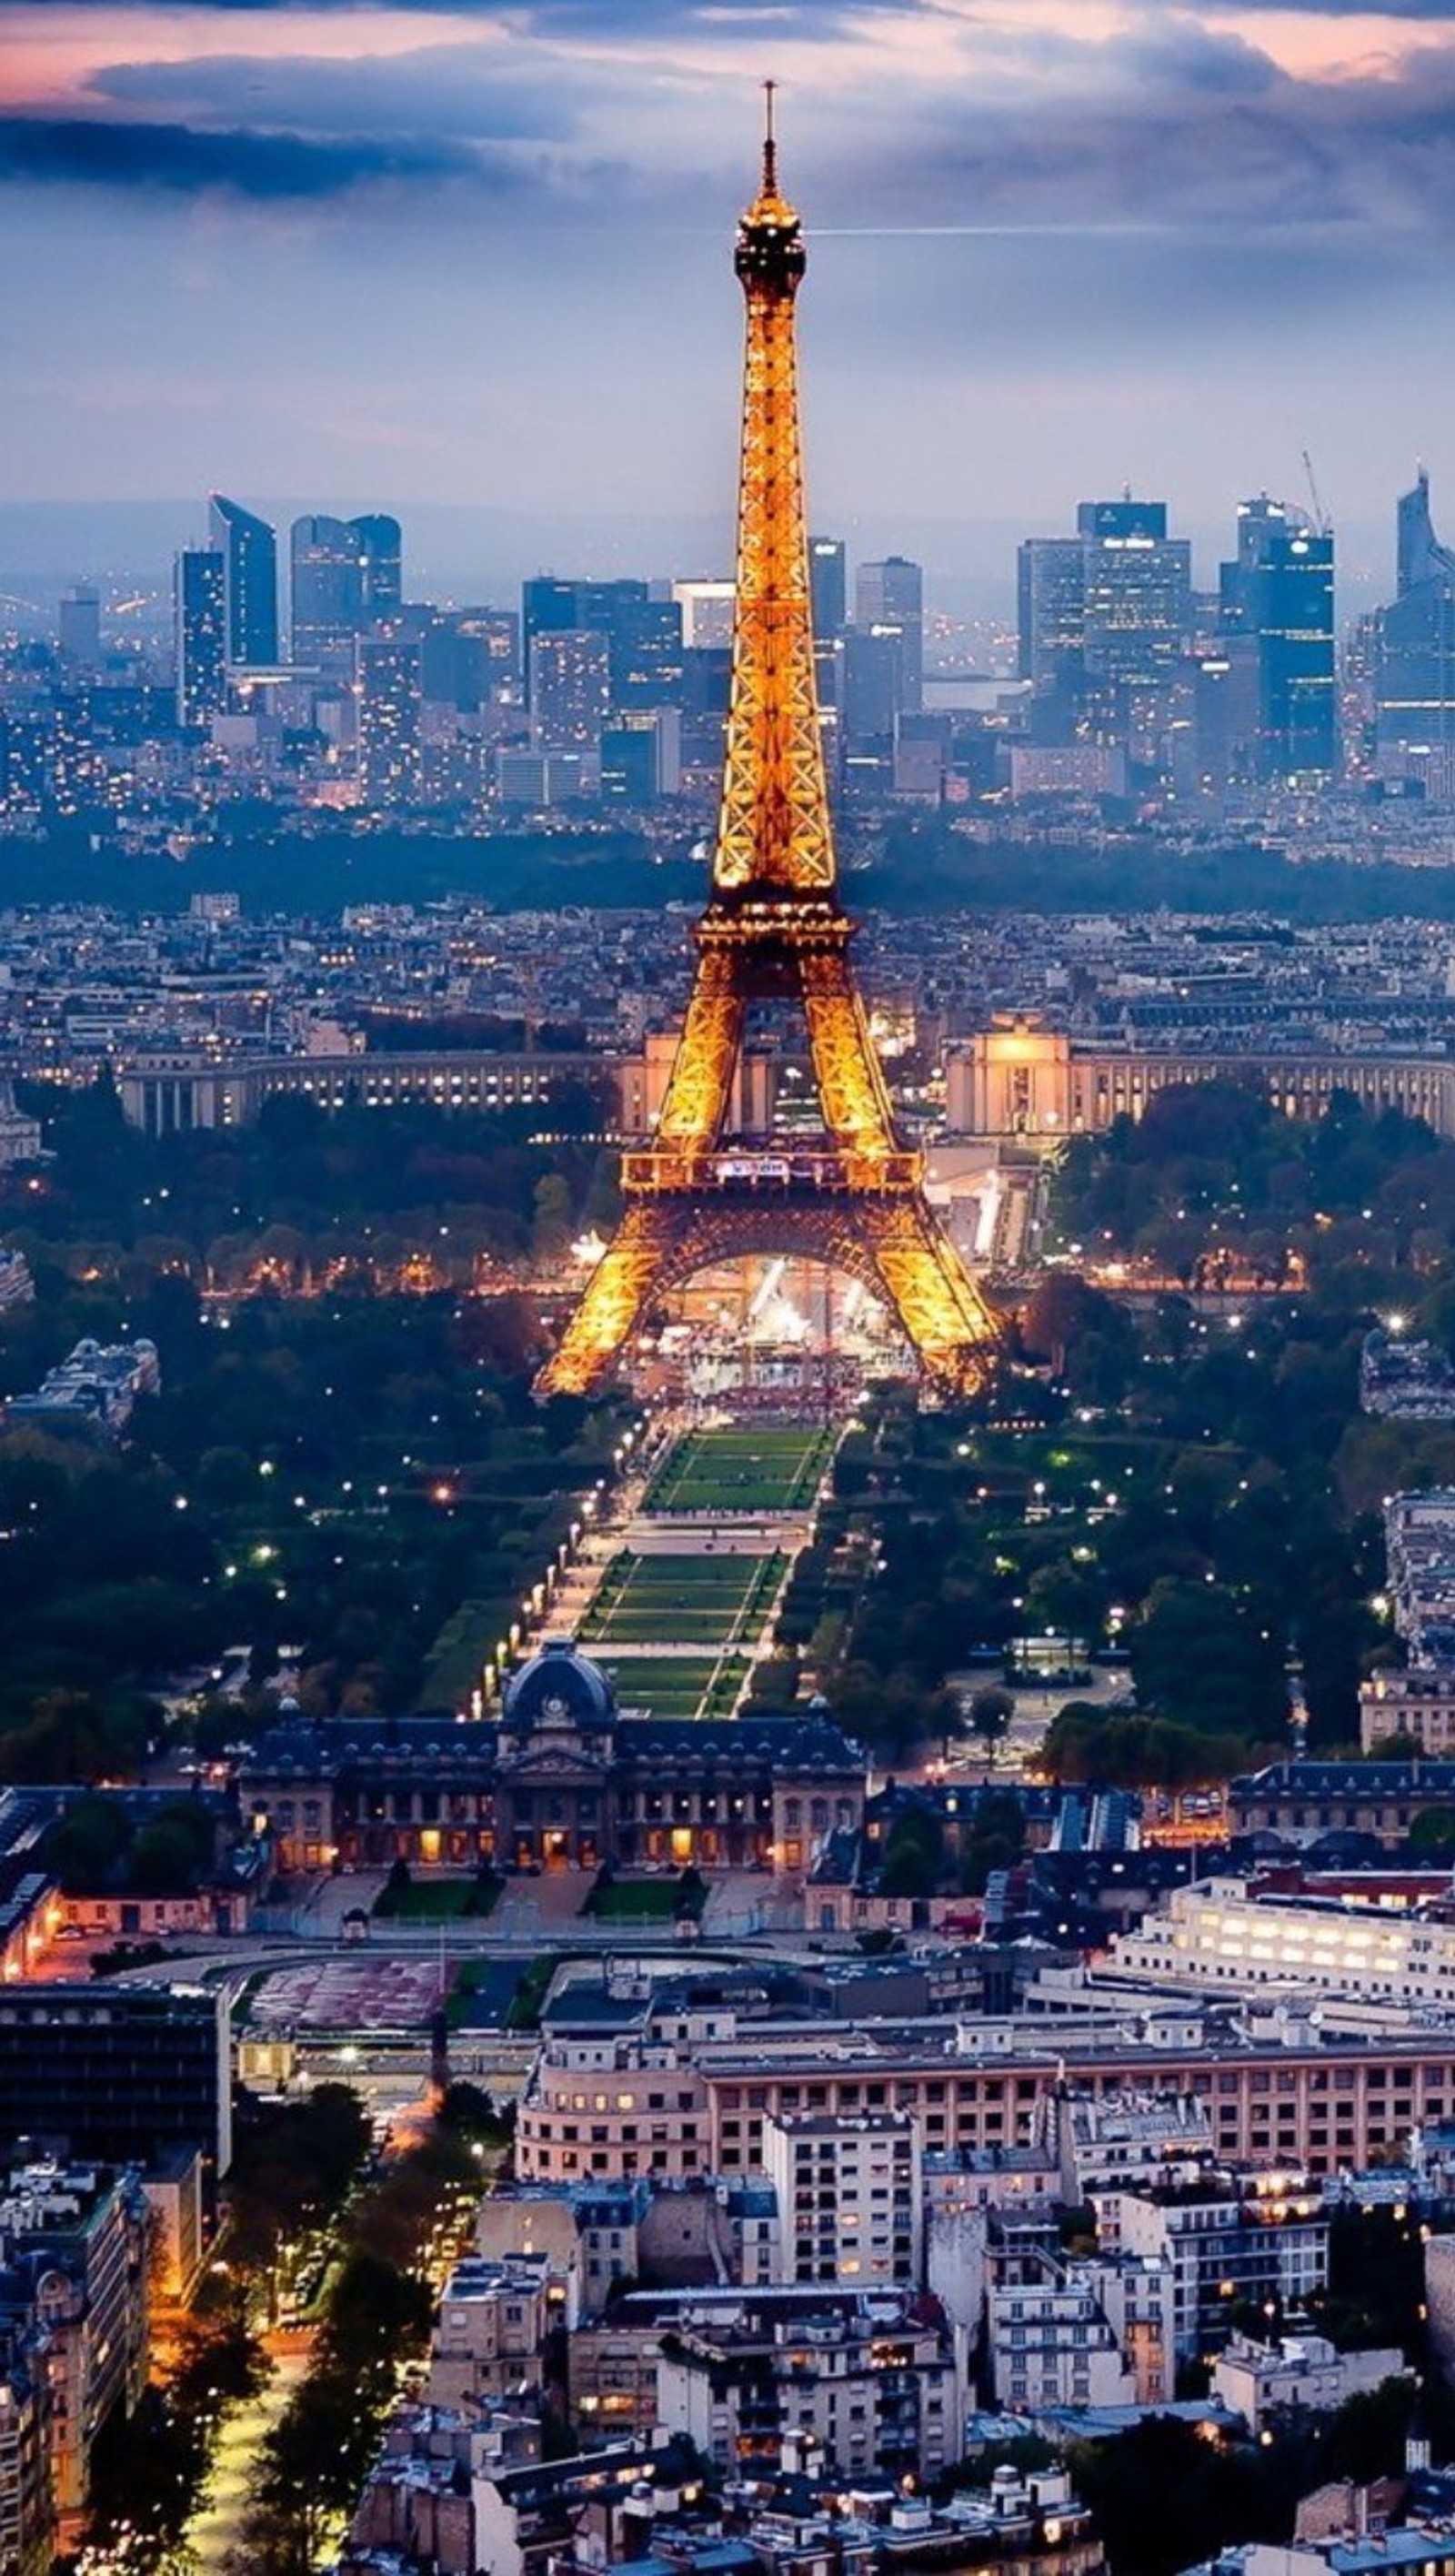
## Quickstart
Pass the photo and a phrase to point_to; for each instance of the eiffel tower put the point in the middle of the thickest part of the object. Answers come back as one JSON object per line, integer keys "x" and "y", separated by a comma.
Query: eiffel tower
{"x": 774, "y": 928}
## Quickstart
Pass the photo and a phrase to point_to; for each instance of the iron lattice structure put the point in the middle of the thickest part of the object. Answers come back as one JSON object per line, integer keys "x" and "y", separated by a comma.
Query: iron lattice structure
{"x": 774, "y": 928}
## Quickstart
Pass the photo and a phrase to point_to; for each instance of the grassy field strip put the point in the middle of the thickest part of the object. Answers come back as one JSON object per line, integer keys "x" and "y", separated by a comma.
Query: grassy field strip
{"x": 751, "y": 1469}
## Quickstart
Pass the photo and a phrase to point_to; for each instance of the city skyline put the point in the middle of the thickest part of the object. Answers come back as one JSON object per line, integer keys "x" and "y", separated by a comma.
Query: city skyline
{"x": 458, "y": 254}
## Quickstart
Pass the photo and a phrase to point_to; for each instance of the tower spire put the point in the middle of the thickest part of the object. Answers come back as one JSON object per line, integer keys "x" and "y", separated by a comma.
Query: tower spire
{"x": 770, "y": 142}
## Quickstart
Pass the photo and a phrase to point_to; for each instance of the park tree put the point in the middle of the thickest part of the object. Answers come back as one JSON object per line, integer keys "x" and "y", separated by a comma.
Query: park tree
{"x": 991, "y": 1709}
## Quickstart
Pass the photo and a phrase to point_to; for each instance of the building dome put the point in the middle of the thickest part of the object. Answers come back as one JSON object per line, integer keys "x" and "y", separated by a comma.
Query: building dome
{"x": 559, "y": 1686}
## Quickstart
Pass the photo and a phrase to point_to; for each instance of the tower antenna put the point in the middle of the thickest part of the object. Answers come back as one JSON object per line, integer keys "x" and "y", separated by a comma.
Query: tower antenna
{"x": 770, "y": 143}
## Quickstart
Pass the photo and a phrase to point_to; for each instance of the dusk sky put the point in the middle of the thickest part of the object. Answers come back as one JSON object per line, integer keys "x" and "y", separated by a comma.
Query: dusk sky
{"x": 479, "y": 255}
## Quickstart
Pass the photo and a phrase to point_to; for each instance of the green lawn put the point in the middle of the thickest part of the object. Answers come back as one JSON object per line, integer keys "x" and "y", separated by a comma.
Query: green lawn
{"x": 640, "y": 1900}
{"x": 438, "y": 1900}
{"x": 465, "y": 1644}
{"x": 690, "y": 1600}
{"x": 745, "y": 1468}
{"x": 678, "y": 1685}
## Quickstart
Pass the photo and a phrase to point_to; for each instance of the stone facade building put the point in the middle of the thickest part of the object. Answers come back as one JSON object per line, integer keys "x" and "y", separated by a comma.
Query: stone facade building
{"x": 563, "y": 1781}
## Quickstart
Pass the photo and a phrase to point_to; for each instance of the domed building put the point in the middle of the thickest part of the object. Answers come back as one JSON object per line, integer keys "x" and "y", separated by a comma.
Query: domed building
{"x": 562, "y": 1780}
{"x": 557, "y": 1726}
{"x": 557, "y": 1688}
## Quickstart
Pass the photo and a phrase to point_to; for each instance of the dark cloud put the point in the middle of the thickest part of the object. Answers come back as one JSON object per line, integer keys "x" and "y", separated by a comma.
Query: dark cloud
{"x": 181, "y": 160}
{"x": 1181, "y": 131}
{"x": 1414, "y": 12}
{"x": 566, "y": 17}
{"x": 443, "y": 90}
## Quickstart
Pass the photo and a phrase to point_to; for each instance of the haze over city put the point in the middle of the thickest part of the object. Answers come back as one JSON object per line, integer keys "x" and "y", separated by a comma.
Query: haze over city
{"x": 464, "y": 255}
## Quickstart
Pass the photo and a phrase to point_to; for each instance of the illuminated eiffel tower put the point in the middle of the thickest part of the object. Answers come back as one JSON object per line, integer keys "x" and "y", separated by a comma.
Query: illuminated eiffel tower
{"x": 774, "y": 928}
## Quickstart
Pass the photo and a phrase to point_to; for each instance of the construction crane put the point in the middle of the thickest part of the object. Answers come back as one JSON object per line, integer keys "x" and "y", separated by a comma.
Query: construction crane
{"x": 1321, "y": 516}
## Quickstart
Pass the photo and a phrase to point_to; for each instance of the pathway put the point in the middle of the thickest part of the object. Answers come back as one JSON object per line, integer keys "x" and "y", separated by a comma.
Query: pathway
{"x": 215, "y": 2533}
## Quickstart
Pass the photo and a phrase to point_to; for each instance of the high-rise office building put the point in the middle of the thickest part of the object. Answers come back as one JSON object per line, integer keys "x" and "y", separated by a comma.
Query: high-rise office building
{"x": 1414, "y": 679}
{"x": 643, "y": 636}
{"x": 873, "y": 676}
{"x": 381, "y": 564}
{"x": 1280, "y": 589}
{"x": 80, "y": 628}
{"x": 249, "y": 551}
{"x": 201, "y": 634}
{"x": 1137, "y": 591}
{"x": 570, "y": 690}
{"x": 889, "y": 599}
{"x": 645, "y": 650}
{"x": 1051, "y": 626}
{"x": 641, "y": 757}
{"x": 1051, "y": 610}
{"x": 828, "y": 582}
{"x": 390, "y": 687}
{"x": 125, "y": 2073}
{"x": 708, "y": 609}
{"x": 547, "y": 607}
{"x": 471, "y": 657}
{"x": 327, "y": 591}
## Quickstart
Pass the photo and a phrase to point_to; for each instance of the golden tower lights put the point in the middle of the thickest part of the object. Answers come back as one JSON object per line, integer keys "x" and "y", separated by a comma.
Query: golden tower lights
{"x": 774, "y": 927}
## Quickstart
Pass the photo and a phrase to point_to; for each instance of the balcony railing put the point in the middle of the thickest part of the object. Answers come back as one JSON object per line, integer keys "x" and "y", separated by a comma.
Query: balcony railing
{"x": 756, "y": 1176}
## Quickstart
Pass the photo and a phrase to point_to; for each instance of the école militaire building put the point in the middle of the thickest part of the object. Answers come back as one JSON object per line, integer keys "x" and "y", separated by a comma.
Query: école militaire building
{"x": 562, "y": 1781}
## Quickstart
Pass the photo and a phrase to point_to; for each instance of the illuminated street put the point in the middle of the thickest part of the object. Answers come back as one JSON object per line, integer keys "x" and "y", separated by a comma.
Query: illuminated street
{"x": 216, "y": 2529}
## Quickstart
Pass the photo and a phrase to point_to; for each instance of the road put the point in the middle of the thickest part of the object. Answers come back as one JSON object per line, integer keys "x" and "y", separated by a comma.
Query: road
{"x": 215, "y": 2532}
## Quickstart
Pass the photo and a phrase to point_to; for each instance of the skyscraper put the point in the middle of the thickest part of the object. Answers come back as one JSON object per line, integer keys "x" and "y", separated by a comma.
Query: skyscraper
{"x": 327, "y": 591}
{"x": 828, "y": 584}
{"x": 1137, "y": 591}
{"x": 1051, "y": 625}
{"x": 570, "y": 691}
{"x": 81, "y": 627}
{"x": 889, "y": 598}
{"x": 249, "y": 551}
{"x": 644, "y": 647}
{"x": 1415, "y": 661}
{"x": 1419, "y": 555}
{"x": 201, "y": 640}
{"x": 1280, "y": 589}
{"x": 381, "y": 564}
{"x": 390, "y": 694}
{"x": 643, "y": 636}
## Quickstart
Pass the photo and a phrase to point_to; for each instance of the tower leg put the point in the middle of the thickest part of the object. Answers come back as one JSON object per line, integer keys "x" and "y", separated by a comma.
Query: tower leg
{"x": 942, "y": 1313}
{"x": 610, "y": 1310}
{"x": 700, "y": 1084}
{"x": 846, "y": 1070}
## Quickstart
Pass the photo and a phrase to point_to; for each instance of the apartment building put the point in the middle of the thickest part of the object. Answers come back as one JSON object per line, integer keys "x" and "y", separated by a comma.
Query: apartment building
{"x": 1418, "y": 1704}
{"x": 850, "y": 2195}
{"x": 1256, "y": 2380}
{"x": 858, "y": 2380}
{"x": 1227, "y": 2239}
{"x": 1068, "y": 2334}
{"x": 490, "y": 2335}
{"x": 73, "y": 2285}
{"x": 1282, "y": 2095}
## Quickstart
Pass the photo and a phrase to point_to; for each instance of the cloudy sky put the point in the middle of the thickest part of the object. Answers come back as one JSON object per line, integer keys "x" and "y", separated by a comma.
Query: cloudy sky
{"x": 479, "y": 255}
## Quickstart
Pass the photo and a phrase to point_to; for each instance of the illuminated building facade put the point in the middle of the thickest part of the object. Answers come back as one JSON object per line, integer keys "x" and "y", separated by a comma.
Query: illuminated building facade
{"x": 201, "y": 635}
{"x": 390, "y": 695}
{"x": 1280, "y": 590}
{"x": 326, "y": 591}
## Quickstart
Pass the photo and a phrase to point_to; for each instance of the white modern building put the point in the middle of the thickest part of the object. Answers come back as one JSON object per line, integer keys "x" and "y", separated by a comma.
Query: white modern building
{"x": 1220, "y": 1937}
{"x": 1258, "y": 2379}
{"x": 850, "y": 2192}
